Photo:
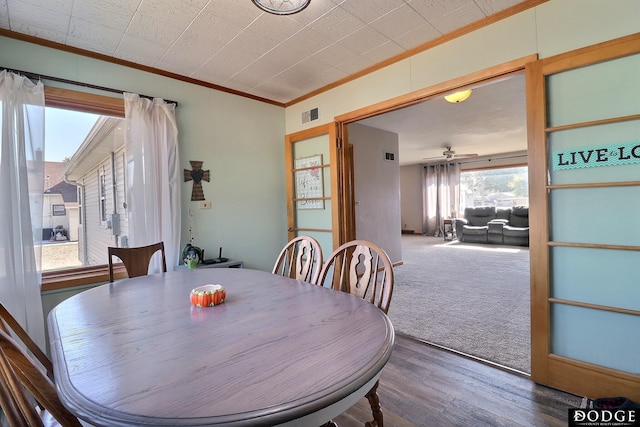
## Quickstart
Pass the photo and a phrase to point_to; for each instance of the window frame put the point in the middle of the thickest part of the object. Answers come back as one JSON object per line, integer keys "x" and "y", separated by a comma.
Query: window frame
{"x": 90, "y": 103}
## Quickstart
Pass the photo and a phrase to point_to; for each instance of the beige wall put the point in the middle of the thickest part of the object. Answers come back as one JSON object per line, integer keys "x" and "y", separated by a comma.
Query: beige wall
{"x": 377, "y": 188}
{"x": 411, "y": 197}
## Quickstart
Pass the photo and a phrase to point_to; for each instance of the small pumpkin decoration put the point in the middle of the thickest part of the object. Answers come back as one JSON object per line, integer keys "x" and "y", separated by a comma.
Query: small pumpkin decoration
{"x": 208, "y": 295}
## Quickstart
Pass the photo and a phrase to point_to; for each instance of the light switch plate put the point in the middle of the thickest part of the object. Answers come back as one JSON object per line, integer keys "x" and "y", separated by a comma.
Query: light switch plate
{"x": 205, "y": 205}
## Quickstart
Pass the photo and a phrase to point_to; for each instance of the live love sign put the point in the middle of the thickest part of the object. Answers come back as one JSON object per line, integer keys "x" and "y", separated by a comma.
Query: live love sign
{"x": 605, "y": 155}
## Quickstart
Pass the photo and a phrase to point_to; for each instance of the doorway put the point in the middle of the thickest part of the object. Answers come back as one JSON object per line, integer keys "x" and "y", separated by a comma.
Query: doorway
{"x": 489, "y": 130}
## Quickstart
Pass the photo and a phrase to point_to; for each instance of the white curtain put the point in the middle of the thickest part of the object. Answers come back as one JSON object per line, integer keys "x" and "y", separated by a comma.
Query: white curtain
{"x": 153, "y": 163}
{"x": 21, "y": 192}
{"x": 441, "y": 196}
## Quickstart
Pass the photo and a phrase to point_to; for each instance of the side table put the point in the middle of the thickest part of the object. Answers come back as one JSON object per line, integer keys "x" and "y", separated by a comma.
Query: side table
{"x": 231, "y": 263}
{"x": 448, "y": 231}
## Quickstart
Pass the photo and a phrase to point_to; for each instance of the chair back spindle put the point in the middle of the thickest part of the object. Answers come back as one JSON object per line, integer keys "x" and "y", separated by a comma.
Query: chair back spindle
{"x": 300, "y": 259}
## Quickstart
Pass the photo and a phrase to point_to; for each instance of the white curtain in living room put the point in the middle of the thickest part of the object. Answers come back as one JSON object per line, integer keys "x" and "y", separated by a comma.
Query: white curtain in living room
{"x": 153, "y": 167}
{"x": 441, "y": 196}
{"x": 21, "y": 192}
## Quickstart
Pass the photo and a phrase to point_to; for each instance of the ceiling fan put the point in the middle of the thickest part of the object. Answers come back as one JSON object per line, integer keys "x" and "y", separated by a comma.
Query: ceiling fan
{"x": 448, "y": 154}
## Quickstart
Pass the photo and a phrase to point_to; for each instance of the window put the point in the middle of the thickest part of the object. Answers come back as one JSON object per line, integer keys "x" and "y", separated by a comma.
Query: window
{"x": 103, "y": 197}
{"x": 499, "y": 187}
{"x": 76, "y": 120}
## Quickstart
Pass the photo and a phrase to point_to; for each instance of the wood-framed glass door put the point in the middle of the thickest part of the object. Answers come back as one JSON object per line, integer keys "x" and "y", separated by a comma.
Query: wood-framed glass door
{"x": 314, "y": 185}
{"x": 584, "y": 163}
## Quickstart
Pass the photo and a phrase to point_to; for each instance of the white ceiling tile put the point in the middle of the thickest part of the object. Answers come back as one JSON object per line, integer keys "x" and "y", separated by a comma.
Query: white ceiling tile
{"x": 283, "y": 56}
{"x": 38, "y": 32}
{"x": 327, "y": 77}
{"x": 230, "y": 60}
{"x": 275, "y": 28}
{"x": 417, "y": 37}
{"x": 4, "y": 14}
{"x": 102, "y": 13}
{"x": 357, "y": 63}
{"x": 370, "y": 10}
{"x": 187, "y": 55}
{"x": 198, "y": 4}
{"x": 465, "y": 15}
{"x": 239, "y": 12}
{"x": 154, "y": 29}
{"x": 435, "y": 9}
{"x": 305, "y": 43}
{"x": 363, "y": 40}
{"x": 334, "y": 54}
{"x": 214, "y": 72}
{"x": 214, "y": 28}
{"x": 128, "y": 5}
{"x": 315, "y": 10}
{"x": 35, "y": 19}
{"x": 176, "y": 12}
{"x": 85, "y": 44}
{"x": 58, "y": 6}
{"x": 139, "y": 50}
{"x": 383, "y": 51}
{"x": 398, "y": 22}
{"x": 252, "y": 43}
{"x": 174, "y": 68}
{"x": 489, "y": 7}
{"x": 337, "y": 24}
{"x": 97, "y": 37}
{"x": 303, "y": 71}
{"x": 277, "y": 90}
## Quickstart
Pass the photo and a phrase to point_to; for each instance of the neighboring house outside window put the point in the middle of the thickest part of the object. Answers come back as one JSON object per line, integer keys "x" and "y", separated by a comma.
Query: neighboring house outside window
{"x": 99, "y": 166}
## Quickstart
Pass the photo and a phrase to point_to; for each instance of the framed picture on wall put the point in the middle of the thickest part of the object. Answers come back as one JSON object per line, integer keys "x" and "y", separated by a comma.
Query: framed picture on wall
{"x": 59, "y": 210}
{"x": 309, "y": 182}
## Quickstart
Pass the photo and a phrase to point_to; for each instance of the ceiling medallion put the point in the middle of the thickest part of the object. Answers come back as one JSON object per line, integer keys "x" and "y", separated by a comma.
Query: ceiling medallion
{"x": 282, "y": 7}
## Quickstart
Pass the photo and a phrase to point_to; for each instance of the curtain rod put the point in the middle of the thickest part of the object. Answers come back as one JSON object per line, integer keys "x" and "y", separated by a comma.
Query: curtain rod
{"x": 486, "y": 159}
{"x": 494, "y": 158}
{"x": 35, "y": 76}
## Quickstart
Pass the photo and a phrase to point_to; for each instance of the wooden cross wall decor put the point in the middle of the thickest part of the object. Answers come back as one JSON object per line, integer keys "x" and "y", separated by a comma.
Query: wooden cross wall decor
{"x": 197, "y": 175}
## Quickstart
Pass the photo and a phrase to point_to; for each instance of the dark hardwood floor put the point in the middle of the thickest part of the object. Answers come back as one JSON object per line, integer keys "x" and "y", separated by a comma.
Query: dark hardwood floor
{"x": 425, "y": 386}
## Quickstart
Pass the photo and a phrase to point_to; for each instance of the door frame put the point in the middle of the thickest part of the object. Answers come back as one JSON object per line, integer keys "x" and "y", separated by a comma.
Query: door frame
{"x": 335, "y": 160}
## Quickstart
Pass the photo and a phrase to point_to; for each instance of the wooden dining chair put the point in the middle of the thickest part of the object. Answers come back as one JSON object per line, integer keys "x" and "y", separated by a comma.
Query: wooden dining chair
{"x": 11, "y": 327}
{"x": 300, "y": 259}
{"x": 363, "y": 269}
{"x": 136, "y": 260}
{"x": 30, "y": 391}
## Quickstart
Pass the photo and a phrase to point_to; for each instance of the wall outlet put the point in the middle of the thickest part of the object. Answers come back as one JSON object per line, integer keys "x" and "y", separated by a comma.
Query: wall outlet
{"x": 205, "y": 205}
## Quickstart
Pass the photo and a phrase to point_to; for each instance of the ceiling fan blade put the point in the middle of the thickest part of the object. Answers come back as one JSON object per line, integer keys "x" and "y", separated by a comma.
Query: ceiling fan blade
{"x": 464, "y": 156}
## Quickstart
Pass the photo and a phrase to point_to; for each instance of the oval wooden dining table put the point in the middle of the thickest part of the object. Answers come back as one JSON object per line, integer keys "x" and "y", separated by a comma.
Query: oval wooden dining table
{"x": 278, "y": 351}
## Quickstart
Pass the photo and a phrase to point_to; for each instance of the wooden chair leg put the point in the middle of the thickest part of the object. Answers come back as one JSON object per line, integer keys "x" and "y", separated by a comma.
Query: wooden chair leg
{"x": 374, "y": 401}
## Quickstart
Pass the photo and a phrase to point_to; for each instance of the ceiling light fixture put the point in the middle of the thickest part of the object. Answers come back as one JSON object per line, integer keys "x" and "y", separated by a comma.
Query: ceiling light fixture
{"x": 458, "y": 96}
{"x": 282, "y": 7}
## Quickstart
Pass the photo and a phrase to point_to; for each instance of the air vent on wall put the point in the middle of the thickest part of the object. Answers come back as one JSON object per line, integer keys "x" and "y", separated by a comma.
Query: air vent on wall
{"x": 309, "y": 116}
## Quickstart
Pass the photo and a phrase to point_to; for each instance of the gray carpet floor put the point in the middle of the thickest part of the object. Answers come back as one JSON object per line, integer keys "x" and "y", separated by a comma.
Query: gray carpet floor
{"x": 472, "y": 298}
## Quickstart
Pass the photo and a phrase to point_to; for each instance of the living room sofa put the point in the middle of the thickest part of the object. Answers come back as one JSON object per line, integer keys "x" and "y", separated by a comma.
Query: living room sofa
{"x": 488, "y": 224}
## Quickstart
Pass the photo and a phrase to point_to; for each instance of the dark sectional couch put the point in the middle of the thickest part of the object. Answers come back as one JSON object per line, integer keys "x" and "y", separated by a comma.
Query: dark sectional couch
{"x": 488, "y": 224}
